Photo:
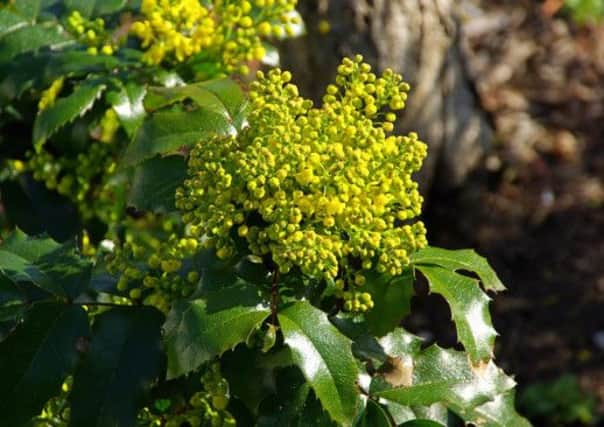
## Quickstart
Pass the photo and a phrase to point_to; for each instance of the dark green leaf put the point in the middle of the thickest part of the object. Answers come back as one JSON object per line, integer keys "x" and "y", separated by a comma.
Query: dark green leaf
{"x": 128, "y": 104}
{"x": 123, "y": 360}
{"x": 8, "y": 290}
{"x": 155, "y": 182}
{"x": 55, "y": 268}
{"x": 469, "y": 309}
{"x": 30, "y": 206}
{"x": 30, "y": 38}
{"x": 392, "y": 301}
{"x": 463, "y": 259}
{"x": 36, "y": 358}
{"x": 64, "y": 111}
{"x": 325, "y": 357}
{"x": 92, "y": 8}
{"x": 198, "y": 330}
{"x": 374, "y": 416}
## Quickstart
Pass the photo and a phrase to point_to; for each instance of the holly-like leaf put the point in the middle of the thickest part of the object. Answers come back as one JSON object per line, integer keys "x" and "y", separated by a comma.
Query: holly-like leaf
{"x": 29, "y": 38}
{"x": 92, "y": 8}
{"x": 36, "y": 358}
{"x": 436, "y": 375}
{"x": 123, "y": 359}
{"x": 325, "y": 358}
{"x": 128, "y": 105}
{"x": 198, "y": 330}
{"x": 56, "y": 268}
{"x": 155, "y": 182}
{"x": 221, "y": 108}
{"x": 65, "y": 110}
{"x": 499, "y": 412}
{"x": 469, "y": 309}
{"x": 392, "y": 301}
{"x": 462, "y": 259}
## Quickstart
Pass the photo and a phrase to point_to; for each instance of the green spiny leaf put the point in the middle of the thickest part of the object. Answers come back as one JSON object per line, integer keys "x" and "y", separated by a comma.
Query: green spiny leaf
{"x": 463, "y": 259}
{"x": 36, "y": 358}
{"x": 469, "y": 309}
{"x": 92, "y": 8}
{"x": 198, "y": 330}
{"x": 64, "y": 111}
{"x": 499, "y": 412}
{"x": 325, "y": 357}
{"x": 123, "y": 360}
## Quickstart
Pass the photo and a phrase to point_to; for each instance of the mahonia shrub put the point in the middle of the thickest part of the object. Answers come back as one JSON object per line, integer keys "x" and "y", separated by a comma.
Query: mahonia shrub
{"x": 217, "y": 252}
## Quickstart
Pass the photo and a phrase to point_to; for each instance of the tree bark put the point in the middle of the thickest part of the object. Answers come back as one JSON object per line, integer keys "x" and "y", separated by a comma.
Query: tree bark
{"x": 422, "y": 39}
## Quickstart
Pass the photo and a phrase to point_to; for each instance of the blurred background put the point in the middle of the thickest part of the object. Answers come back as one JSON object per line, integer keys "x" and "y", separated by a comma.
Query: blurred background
{"x": 509, "y": 95}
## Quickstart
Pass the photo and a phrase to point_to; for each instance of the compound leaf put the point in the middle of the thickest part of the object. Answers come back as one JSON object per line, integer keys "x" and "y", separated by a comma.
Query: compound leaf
{"x": 36, "y": 358}
{"x": 198, "y": 330}
{"x": 469, "y": 308}
{"x": 325, "y": 358}
{"x": 123, "y": 360}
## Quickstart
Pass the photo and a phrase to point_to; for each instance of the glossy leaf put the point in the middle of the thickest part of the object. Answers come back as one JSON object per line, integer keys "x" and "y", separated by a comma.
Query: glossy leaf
{"x": 463, "y": 259}
{"x": 128, "y": 105}
{"x": 64, "y": 111}
{"x": 169, "y": 132}
{"x": 422, "y": 423}
{"x": 469, "y": 309}
{"x": 36, "y": 358}
{"x": 155, "y": 181}
{"x": 30, "y": 38}
{"x": 436, "y": 375}
{"x": 221, "y": 111}
{"x": 123, "y": 359}
{"x": 325, "y": 358}
{"x": 500, "y": 412}
{"x": 53, "y": 267}
{"x": 198, "y": 330}
{"x": 392, "y": 301}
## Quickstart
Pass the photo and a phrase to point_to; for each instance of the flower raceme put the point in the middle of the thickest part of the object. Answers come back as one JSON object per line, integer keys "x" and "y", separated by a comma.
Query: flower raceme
{"x": 231, "y": 31}
{"x": 328, "y": 190}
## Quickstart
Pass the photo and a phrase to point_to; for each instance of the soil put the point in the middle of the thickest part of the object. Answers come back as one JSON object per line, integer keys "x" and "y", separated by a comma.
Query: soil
{"x": 535, "y": 208}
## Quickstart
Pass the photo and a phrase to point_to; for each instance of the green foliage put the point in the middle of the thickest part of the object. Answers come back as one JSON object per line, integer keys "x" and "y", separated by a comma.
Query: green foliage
{"x": 559, "y": 402}
{"x": 585, "y": 10}
{"x": 217, "y": 253}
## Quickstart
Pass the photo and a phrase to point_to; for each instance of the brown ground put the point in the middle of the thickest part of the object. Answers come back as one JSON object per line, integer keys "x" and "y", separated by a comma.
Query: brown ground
{"x": 536, "y": 207}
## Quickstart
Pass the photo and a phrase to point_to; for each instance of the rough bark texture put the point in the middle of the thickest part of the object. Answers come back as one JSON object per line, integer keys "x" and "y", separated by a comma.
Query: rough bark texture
{"x": 422, "y": 40}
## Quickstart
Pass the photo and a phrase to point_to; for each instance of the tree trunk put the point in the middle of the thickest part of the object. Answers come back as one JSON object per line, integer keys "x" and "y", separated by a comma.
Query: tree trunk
{"x": 421, "y": 39}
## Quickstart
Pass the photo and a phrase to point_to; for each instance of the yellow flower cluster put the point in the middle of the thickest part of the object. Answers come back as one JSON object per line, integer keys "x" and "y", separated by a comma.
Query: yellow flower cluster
{"x": 327, "y": 190}
{"x": 230, "y": 32}
{"x": 91, "y": 33}
{"x": 182, "y": 28}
